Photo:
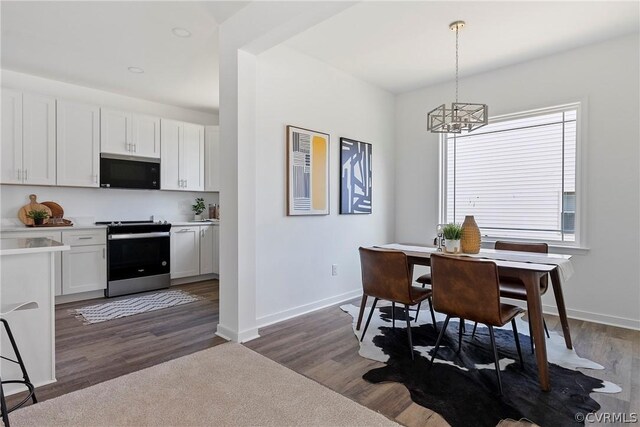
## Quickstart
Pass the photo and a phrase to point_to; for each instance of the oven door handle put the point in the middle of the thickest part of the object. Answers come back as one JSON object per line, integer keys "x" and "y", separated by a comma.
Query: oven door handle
{"x": 139, "y": 235}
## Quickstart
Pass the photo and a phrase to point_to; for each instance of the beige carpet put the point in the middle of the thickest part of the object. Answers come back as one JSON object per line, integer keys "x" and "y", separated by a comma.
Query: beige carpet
{"x": 224, "y": 385}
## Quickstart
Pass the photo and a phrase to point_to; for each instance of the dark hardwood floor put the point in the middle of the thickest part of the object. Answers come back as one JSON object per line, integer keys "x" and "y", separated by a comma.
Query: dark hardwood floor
{"x": 321, "y": 346}
{"x": 90, "y": 354}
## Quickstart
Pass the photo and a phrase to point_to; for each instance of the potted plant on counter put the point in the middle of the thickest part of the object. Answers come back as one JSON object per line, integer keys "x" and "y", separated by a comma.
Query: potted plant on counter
{"x": 452, "y": 233}
{"x": 38, "y": 216}
{"x": 198, "y": 208}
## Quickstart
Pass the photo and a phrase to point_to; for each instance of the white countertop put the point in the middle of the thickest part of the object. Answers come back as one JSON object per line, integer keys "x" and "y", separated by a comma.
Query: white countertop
{"x": 30, "y": 246}
{"x": 200, "y": 223}
{"x": 10, "y": 228}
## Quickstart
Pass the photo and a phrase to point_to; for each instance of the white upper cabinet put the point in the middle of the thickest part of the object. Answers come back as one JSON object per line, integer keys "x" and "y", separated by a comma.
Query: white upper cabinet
{"x": 129, "y": 134}
{"x": 212, "y": 158}
{"x": 38, "y": 140}
{"x": 78, "y": 144}
{"x": 192, "y": 155}
{"x": 115, "y": 132}
{"x": 145, "y": 135}
{"x": 182, "y": 156}
{"x": 28, "y": 139}
{"x": 171, "y": 134}
{"x": 11, "y": 167}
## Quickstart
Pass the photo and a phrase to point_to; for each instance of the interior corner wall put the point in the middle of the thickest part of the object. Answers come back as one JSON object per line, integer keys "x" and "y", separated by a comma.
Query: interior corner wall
{"x": 606, "y": 284}
{"x": 295, "y": 253}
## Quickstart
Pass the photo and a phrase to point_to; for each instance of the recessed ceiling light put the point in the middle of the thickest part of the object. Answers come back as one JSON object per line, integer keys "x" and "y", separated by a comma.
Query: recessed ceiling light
{"x": 136, "y": 70}
{"x": 181, "y": 32}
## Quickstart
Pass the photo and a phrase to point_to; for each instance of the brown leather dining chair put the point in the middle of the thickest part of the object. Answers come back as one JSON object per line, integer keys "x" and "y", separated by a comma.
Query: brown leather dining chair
{"x": 469, "y": 288}
{"x": 385, "y": 276}
{"x": 514, "y": 288}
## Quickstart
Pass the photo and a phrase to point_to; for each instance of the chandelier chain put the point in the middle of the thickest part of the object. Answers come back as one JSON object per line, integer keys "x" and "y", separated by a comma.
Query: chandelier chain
{"x": 457, "y": 29}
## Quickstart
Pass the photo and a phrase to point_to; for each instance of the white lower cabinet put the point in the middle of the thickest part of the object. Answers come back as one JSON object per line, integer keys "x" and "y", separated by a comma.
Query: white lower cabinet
{"x": 185, "y": 251}
{"x": 84, "y": 267}
{"x": 209, "y": 244}
{"x": 194, "y": 250}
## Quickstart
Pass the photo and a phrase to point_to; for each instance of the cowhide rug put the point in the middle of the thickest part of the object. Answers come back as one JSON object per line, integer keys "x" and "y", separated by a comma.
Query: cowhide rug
{"x": 462, "y": 387}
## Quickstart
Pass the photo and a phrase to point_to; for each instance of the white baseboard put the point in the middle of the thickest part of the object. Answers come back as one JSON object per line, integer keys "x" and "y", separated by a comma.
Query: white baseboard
{"x": 306, "y": 308}
{"x": 62, "y": 299}
{"x": 231, "y": 335}
{"x": 587, "y": 316}
{"x": 192, "y": 279}
{"x": 605, "y": 319}
{"x": 14, "y": 388}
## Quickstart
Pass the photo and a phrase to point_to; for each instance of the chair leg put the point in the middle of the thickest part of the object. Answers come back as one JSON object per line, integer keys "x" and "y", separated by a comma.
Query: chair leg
{"x": 406, "y": 313}
{"x": 517, "y": 338}
{"x": 473, "y": 333}
{"x": 23, "y": 368}
{"x": 433, "y": 315}
{"x": 363, "y": 304}
{"x": 3, "y": 407}
{"x": 419, "y": 305}
{"x": 393, "y": 315}
{"x": 460, "y": 335}
{"x": 495, "y": 357}
{"x": 439, "y": 340}
{"x": 462, "y": 324}
{"x": 366, "y": 325}
{"x": 545, "y": 328}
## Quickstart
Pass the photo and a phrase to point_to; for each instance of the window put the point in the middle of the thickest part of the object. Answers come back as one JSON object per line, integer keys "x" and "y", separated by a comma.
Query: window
{"x": 517, "y": 176}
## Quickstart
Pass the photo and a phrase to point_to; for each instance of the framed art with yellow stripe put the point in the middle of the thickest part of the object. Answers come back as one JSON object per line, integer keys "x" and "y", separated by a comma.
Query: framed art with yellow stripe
{"x": 307, "y": 172}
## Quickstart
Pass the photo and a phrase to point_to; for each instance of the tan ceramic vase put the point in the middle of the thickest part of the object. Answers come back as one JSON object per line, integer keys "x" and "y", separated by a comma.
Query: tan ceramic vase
{"x": 470, "y": 241}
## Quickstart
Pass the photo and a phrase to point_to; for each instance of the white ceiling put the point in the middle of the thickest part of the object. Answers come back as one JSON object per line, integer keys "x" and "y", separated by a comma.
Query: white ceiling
{"x": 93, "y": 43}
{"x": 395, "y": 45}
{"x": 401, "y": 46}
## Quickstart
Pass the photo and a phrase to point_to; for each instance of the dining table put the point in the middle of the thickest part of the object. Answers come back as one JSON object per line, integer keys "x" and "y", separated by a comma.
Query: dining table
{"x": 527, "y": 267}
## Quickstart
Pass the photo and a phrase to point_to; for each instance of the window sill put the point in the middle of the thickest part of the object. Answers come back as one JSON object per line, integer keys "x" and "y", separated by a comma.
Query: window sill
{"x": 488, "y": 242}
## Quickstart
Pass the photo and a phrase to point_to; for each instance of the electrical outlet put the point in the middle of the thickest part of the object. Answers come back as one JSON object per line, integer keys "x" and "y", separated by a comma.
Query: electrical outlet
{"x": 334, "y": 269}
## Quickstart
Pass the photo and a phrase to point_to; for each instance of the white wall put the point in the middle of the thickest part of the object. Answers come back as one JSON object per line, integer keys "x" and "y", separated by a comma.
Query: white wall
{"x": 97, "y": 204}
{"x": 295, "y": 254}
{"x": 61, "y": 90}
{"x": 606, "y": 286}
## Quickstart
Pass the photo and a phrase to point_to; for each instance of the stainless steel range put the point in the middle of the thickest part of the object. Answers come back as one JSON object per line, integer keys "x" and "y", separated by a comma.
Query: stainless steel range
{"x": 138, "y": 256}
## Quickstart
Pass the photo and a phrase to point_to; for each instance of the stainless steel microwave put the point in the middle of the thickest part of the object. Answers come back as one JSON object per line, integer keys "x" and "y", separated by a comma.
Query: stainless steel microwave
{"x": 128, "y": 172}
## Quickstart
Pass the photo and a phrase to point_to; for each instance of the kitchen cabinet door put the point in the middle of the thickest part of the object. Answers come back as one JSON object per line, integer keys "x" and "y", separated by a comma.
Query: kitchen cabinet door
{"x": 146, "y": 136}
{"x": 53, "y": 235}
{"x": 84, "y": 269}
{"x": 38, "y": 140}
{"x": 78, "y": 144}
{"x": 192, "y": 162}
{"x": 171, "y": 136}
{"x": 209, "y": 249}
{"x": 212, "y": 158}
{"x": 115, "y": 132}
{"x": 11, "y": 154}
{"x": 185, "y": 251}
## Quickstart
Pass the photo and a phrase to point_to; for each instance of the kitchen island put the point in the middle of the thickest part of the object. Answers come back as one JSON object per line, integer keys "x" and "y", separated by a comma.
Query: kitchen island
{"x": 28, "y": 271}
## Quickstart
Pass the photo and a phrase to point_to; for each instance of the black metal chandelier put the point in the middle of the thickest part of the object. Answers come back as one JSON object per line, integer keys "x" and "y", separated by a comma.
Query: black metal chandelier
{"x": 462, "y": 116}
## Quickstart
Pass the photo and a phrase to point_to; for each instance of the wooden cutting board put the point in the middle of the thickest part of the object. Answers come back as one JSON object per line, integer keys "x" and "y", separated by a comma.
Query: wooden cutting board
{"x": 56, "y": 209}
{"x": 34, "y": 205}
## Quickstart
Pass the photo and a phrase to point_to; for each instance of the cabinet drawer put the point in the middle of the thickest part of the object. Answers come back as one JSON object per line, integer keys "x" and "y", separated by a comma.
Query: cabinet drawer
{"x": 84, "y": 237}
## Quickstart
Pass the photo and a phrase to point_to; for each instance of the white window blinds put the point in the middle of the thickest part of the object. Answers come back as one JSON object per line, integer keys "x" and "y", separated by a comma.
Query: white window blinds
{"x": 517, "y": 176}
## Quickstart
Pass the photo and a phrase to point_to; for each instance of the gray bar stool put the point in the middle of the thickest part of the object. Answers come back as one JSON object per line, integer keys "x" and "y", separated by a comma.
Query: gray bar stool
{"x": 18, "y": 360}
